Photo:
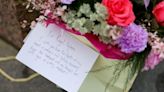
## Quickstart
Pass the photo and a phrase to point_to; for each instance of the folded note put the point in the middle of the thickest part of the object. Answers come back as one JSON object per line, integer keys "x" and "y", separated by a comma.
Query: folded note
{"x": 57, "y": 56}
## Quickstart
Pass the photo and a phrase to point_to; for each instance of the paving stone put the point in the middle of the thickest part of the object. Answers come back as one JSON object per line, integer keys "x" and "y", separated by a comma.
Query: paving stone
{"x": 15, "y": 69}
{"x": 150, "y": 81}
{"x": 9, "y": 25}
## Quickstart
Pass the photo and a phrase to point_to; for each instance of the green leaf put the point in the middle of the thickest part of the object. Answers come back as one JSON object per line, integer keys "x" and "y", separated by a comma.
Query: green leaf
{"x": 83, "y": 30}
{"x": 69, "y": 17}
{"x": 105, "y": 39}
{"x": 89, "y": 25}
{"x": 85, "y": 9}
{"x": 97, "y": 29}
{"x": 93, "y": 17}
{"x": 78, "y": 23}
{"x": 101, "y": 10}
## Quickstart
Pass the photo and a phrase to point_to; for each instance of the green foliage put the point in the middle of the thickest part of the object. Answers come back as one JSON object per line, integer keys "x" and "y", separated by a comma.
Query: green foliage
{"x": 137, "y": 62}
{"x": 101, "y": 10}
{"x": 104, "y": 39}
{"x": 85, "y": 20}
{"x": 93, "y": 17}
{"x": 69, "y": 17}
{"x": 89, "y": 24}
{"x": 85, "y": 9}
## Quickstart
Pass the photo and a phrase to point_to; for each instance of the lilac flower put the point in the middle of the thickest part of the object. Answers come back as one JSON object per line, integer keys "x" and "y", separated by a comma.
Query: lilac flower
{"x": 67, "y": 1}
{"x": 152, "y": 60}
{"x": 133, "y": 39}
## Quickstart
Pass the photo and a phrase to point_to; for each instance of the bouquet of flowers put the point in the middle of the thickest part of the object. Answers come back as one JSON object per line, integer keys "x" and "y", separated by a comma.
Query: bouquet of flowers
{"x": 128, "y": 30}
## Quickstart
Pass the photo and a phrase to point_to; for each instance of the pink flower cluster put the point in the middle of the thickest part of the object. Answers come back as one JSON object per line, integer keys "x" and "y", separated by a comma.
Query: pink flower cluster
{"x": 156, "y": 54}
{"x": 50, "y": 8}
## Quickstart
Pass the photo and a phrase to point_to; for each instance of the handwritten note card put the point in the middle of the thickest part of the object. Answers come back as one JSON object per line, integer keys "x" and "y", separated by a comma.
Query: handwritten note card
{"x": 57, "y": 56}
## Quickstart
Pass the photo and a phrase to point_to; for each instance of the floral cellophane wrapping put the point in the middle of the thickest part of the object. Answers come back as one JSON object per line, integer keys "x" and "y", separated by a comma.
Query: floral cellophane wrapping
{"x": 96, "y": 81}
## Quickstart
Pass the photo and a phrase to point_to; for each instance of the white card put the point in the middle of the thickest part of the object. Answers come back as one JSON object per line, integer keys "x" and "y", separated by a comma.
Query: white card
{"x": 58, "y": 56}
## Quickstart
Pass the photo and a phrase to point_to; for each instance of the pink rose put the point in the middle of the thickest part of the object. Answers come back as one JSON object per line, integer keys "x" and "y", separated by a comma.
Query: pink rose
{"x": 158, "y": 12}
{"x": 120, "y": 12}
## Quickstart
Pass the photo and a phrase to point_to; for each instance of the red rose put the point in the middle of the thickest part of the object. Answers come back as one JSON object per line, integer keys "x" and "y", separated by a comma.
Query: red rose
{"x": 120, "y": 12}
{"x": 158, "y": 12}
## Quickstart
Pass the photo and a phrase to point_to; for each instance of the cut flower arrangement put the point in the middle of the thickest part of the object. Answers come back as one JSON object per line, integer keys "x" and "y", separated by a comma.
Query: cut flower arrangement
{"x": 128, "y": 30}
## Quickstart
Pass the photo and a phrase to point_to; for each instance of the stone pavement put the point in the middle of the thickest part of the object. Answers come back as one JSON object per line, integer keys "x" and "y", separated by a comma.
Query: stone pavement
{"x": 9, "y": 26}
{"x": 150, "y": 81}
{"x": 15, "y": 69}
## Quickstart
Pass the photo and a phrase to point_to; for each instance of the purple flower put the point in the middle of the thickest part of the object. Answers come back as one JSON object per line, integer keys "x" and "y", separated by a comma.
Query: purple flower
{"x": 67, "y": 1}
{"x": 133, "y": 39}
{"x": 146, "y": 3}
